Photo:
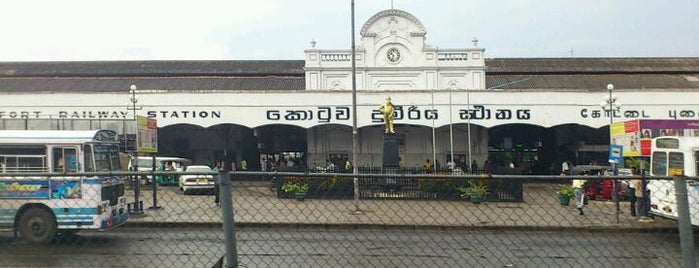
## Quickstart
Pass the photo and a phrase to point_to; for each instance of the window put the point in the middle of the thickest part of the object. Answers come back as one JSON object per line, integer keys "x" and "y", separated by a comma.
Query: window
{"x": 14, "y": 159}
{"x": 675, "y": 164}
{"x": 89, "y": 160}
{"x": 659, "y": 166}
{"x": 106, "y": 157}
{"x": 65, "y": 159}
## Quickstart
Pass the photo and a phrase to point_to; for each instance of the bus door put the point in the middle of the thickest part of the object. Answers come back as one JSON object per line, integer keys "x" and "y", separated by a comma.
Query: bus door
{"x": 65, "y": 159}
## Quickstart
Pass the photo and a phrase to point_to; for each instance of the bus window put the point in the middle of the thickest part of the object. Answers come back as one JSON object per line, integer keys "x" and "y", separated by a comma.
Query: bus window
{"x": 66, "y": 159}
{"x": 675, "y": 165}
{"x": 89, "y": 160}
{"x": 106, "y": 157}
{"x": 659, "y": 167}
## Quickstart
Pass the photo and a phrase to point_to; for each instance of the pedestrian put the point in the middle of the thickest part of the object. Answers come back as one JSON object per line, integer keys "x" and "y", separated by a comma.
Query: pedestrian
{"x": 217, "y": 184}
{"x": 263, "y": 164}
{"x": 451, "y": 165}
{"x": 474, "y": 167}
{"x": 565, "y": 167}
{"x": 578, "y": 191}
{"x": 637, "y": 205}
{"x": 631, "y": 194}
{"x": 427, "y": 165}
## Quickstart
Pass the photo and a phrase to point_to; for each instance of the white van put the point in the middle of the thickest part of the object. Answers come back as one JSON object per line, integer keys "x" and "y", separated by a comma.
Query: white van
{"x": 145, "y": 164}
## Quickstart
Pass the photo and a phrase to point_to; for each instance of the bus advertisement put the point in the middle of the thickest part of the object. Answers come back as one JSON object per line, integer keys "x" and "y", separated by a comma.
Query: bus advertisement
{"x": 43, "y": 193}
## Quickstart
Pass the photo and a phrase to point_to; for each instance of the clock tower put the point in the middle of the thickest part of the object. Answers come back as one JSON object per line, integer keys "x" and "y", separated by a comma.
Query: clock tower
{"x": 393, "y": 55}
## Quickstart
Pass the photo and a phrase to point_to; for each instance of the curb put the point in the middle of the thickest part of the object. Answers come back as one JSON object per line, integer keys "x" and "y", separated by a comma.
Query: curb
{"x": 252, "y": 225}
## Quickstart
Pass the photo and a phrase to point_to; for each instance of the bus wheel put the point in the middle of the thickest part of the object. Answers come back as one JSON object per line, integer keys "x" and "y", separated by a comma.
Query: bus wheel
{"x": 37, "y": 226}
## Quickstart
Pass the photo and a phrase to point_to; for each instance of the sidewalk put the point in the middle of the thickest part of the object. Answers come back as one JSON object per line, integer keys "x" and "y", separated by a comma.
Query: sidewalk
{"x": 255, "y": 204}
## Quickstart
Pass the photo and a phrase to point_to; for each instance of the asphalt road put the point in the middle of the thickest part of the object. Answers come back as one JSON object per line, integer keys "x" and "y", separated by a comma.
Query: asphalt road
{"x": 341, "y": 247}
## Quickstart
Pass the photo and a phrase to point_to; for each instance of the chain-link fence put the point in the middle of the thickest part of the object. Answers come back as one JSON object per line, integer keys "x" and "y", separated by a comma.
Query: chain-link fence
{"x": 375, "y": 220}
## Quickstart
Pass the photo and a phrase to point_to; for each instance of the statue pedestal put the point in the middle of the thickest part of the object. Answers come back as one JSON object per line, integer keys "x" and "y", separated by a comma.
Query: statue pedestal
{"x": 390, "y": 151}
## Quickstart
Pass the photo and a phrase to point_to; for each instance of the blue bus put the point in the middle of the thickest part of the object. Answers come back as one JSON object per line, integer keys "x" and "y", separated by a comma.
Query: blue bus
{"x": 42, "y": 190}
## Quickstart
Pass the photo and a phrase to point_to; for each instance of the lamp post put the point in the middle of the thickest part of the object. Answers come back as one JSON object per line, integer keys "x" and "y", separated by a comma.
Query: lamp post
{"x": 137, "y": 182}
{"x": 611, "y": 105}
{"x": 355, "y": 130}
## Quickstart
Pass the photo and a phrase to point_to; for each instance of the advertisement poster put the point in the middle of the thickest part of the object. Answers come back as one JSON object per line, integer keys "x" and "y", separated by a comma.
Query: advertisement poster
{"x": 147, "y": 135}
{"x": 635, "y": 135}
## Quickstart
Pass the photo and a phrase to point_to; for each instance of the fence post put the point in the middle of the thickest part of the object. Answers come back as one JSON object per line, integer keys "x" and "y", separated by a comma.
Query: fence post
{"x": 224, "y": 180}
{"x": 684, "y": 223}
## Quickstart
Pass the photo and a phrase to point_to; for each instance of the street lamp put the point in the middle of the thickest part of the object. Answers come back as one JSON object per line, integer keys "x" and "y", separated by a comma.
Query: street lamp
{"x": 610, "y": 105}
{"x": 137, "y": 180}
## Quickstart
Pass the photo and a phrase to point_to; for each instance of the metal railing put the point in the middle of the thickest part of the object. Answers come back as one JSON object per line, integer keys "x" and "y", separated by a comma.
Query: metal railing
{"x": 259, "y": 225}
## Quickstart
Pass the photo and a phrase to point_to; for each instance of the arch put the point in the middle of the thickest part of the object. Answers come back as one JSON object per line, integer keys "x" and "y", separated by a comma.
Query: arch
{"x": 388, "y": 13}
{"x": 203, "y": 145}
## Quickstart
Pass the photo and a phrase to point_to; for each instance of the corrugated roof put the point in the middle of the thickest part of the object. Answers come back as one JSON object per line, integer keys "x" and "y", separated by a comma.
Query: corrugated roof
{"x": 102, "y": 84}
{"x": 591, "y": 65}
{"x": 152, "y": 68}
{"x": 505, "y": 73}
{"x": 590, "y": 81}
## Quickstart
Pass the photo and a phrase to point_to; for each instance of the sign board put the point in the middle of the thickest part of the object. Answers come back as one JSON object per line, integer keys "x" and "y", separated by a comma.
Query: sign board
{"x": 147, "y": 138}
{"x": 615, "y": 152}
{"x": 635, "y": 135}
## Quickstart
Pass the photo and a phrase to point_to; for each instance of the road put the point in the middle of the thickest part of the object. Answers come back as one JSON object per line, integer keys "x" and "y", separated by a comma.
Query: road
{"x": 329, "y": 247}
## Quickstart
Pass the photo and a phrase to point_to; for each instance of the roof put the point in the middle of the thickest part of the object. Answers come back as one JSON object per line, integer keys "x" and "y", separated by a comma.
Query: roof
{"x": 591, "y": 65}
{"x": 152, "y": 68}
{"x": 117, "y": 84}
{"x": 502, "y": 73}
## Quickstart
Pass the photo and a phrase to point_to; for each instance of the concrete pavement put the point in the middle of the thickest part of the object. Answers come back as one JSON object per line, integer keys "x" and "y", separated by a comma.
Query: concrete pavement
{"x": 255, "y": 204}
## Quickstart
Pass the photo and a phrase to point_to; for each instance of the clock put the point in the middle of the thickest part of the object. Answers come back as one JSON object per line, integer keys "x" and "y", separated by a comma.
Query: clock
{"x": 393, "y": 55}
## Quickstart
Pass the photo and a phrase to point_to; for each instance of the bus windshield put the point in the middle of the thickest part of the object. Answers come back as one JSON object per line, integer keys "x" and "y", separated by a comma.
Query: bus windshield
{"x": 106, "y": 157}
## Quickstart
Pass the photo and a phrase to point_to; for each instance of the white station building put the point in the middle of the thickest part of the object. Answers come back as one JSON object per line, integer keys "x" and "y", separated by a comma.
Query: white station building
{"x": 535, "y": 112}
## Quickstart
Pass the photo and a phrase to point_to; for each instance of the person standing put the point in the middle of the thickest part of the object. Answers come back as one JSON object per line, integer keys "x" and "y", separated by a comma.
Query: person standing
{"x": 217, "y": 184}
{"x": 474, "y": 167}
{"x": 263, "y": 164}
{"x": 578, "y": 191}
{"x": 565, "y": 167}
{"x": 427, "y": 165}
{"x": 451, "y": 165}
{"x": 631, "y": 194}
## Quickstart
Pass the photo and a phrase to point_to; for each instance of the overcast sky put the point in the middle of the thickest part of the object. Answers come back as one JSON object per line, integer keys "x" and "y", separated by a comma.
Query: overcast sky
{"x": 67, "y": 30}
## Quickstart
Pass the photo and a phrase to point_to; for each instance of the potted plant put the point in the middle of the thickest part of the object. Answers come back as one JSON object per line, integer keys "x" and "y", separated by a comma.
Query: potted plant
{"x": 565, "y": 192}
{"x": 299, "y": 189}
{"x": 474, "y": 191}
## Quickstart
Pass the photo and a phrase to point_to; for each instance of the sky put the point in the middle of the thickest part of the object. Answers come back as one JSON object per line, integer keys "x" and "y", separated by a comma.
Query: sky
{"x": 87, "y": 30}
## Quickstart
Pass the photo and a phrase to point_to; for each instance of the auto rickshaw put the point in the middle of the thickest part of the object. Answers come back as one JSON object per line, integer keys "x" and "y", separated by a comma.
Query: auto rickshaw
{"x": 599, "y": 189}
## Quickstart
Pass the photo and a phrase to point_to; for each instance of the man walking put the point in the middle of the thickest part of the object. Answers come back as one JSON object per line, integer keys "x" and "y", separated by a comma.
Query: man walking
{"x": 578, "y": 190}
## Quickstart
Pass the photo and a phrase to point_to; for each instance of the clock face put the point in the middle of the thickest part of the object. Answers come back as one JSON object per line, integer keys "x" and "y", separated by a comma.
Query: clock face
{"x": 393, "y": 55}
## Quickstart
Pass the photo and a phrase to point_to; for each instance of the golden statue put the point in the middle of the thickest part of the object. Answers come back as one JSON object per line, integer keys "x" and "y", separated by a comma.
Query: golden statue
{"x": 388, "y": 110}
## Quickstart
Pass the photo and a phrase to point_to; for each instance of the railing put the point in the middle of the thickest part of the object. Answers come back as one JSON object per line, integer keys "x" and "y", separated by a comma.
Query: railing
{"x": 335, "y": 57}
{"x": 254, "y": 227}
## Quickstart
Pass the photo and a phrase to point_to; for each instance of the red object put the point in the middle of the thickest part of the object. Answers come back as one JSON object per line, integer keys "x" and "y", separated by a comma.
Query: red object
{"x": 607, "y": 189}
{"x": 592, "y": 189}
{"x": 602, "y": 190}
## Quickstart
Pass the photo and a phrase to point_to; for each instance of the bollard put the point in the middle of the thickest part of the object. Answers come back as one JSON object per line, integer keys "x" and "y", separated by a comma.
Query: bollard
{"x": 155, "y": 190}
{"x": 135, "y": 208}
